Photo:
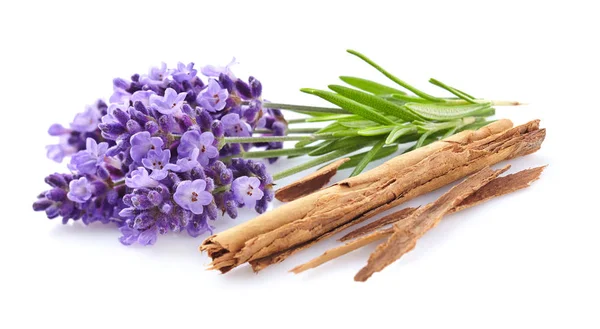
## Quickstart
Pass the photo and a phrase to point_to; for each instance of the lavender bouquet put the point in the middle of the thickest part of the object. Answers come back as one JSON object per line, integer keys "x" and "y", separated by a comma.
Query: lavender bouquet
{"x": 157, "y": 159}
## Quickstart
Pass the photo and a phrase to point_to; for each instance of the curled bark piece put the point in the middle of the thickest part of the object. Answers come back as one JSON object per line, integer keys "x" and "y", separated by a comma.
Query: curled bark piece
{"x": 310, "y": 183}
{"x": 364, "y": 235}
{"x": 407, "y": 232}
{"x": 395, "y": 181}
{"x": 389, "y": 219}
{"x": 497, "y": 187}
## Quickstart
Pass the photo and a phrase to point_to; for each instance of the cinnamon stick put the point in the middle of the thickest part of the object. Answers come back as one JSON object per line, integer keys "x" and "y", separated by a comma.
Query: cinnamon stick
{"x": 367, "y": 234}
{"x": 498, "y": 187}
{"x": 396, "y": 181}
{"x": 406, "y": 233}
{"x": 309, "y": 183}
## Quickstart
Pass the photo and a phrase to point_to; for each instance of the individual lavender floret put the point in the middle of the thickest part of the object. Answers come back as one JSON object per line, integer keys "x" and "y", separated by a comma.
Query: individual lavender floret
{"x": 158, "y": 161}
{"x": 184, "y": 72}
{"x": 205, "y": 142}
{"x": 86, "y": 161}
{"x": 80, "y": 190}
{"x": 214, "y": 97}
{"x": 140, "y": 178}
{"x": 246, "y": 190}
{"x": 142, "y": 143}
{"x": 170, "y": 103}
{"x": 216, "y": 71}
{"x": 191, "y": 195}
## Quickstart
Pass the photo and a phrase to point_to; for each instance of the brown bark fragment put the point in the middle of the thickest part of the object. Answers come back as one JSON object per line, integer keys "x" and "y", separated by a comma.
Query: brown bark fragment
{"x": 309, "y": 183}
{"x": 497, "y": 187}
{"x": 407, "y": 232}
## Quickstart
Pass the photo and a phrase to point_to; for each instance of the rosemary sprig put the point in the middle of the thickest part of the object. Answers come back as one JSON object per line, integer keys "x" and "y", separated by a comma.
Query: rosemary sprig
{"x": 374, "y": 116}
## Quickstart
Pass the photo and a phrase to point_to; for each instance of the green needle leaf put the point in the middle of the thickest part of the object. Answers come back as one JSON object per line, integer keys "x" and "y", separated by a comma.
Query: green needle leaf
{"x": 444, "y": 112}
{"x": 395, "y": 79}
{"x": 344, "y": 142}
{"x": 375, "y": 102}
{"x": 398, "y": 132}
{"x": 370, "y": 86}
{"x": 375, "y": 131}
{"x": 367, "y": 159}
{"x": 454, "y": 91}
{"x": 332, "y": 117}
{"x": 409, "y": 99}
{"x": 355, "y": 159}
{"x": 350, "y": 105}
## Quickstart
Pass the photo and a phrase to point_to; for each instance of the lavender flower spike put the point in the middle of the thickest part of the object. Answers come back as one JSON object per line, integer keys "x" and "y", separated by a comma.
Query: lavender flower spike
{"x": 171, "y": 103}
{"x": 190, "y": 195}
{"x": 246, "y": 190}
{"x": 213, "y": 98}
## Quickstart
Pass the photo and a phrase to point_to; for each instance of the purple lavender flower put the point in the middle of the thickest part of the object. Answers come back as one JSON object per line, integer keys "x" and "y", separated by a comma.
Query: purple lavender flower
{"x": 202, "y": 141}
{"x": 184, "y": 72}
{"x": 157, "y": 76}
{"x": 213, "y": 98}
{"x": 234, "y": 126}
{"x": 142, "y": 96}
{"x": 86, "y": 161}
{"x": 80, "y": 190}
{"x": 86, "y": 121}
{"x": 191, "y": 195}
{"x": 140, "y": 179}
{"x": 170, "y": 103}
{"x": 158, "y": 161}
{"x": 186, "y": 163}
{"x": 57, "y": 130}
{"x": 247, "y": 190}
{"x": 215, "y": 71}
{"x": 141, "y": 143}
{"x": 59, "y": 151}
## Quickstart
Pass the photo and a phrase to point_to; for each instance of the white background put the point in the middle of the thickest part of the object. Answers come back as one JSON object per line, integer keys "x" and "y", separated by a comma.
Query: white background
{"x": 524, "y": 260}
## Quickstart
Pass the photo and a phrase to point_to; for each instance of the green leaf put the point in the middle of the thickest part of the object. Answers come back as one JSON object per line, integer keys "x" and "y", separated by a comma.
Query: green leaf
{"x": 375, "y": 102}
{"x": 370, "y": 86}
{"x": 303, "y": 108}
{"x": 444, "y": 112}
{"x": 398, "y": 132}
{"x": 344, "y": 142}
{"x": 316, "y": 161}
{"x": 350, "y": 105}
{"x": 375, "y": 131}
{"x": 367, "y": 159}
{"x": 332, "y": 117}
{"x": 355, "y": 159}
{"x": 410, "y": 99}
{"x": 346, "y": 133}
{"x": 395, "y": 79}
{"x": 454, "y": 91}
{"x": 358, "y": 124}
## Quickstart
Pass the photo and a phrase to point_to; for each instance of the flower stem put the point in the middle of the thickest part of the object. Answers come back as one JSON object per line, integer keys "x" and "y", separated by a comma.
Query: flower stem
{"x": 315, "y": 162}
{"x": 303, "y": 108}
{"x": 292, "y": 121}
{"x": 268, "y": 139}
{"x": 289, "y": 131}
{"x": 277, "y": 153}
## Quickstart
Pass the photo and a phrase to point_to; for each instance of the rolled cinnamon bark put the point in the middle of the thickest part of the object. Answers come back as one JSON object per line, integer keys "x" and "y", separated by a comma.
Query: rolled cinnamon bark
{"x": 394, "y": 182}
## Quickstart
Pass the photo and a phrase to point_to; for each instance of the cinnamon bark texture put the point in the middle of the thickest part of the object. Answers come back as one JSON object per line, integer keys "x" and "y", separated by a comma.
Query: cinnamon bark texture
{"x": 406, "y": 233}
{"x": 396, "y": 181}
{"x": 365, "y": 235}
{"x": 497, "y": 187}
{"x": 310, "y": 183}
